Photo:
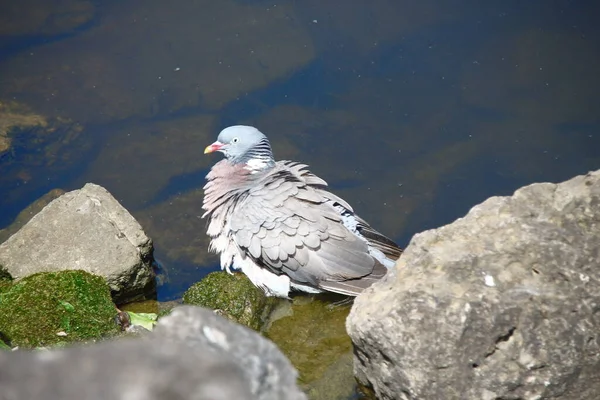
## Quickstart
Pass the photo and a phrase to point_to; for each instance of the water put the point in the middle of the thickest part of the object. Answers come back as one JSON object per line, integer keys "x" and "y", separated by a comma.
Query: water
{"x": 412, "y": 113}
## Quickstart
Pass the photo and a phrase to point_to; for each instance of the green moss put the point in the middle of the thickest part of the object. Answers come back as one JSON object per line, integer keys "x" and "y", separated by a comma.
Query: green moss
{"x": 233, "y": 296}
{"x": 40, "y": 309}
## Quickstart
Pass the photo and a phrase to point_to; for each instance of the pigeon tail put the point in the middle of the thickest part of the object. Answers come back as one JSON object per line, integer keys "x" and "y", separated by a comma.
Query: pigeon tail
{"x": 354, "y": 287}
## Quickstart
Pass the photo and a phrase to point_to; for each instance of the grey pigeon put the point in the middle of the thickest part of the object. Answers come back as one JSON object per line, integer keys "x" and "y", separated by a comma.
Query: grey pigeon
{"x": 276, "y": 221}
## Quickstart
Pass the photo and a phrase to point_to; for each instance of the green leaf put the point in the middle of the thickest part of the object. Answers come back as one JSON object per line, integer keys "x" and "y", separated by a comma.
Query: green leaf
{"x": 68, "y": 306}
{"x": 4, "y": 346}
{"x": 145, "y": 320}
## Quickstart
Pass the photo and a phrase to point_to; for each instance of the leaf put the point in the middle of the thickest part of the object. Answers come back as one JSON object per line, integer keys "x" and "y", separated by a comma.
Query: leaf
{"x": 4, "y": 346}
{"x": 68, "y": 306}
{"x": 145, "y": 320}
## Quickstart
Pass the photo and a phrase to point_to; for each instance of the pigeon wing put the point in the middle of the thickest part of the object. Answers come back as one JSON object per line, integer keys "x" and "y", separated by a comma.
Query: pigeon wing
{"x": 289, "y": 226}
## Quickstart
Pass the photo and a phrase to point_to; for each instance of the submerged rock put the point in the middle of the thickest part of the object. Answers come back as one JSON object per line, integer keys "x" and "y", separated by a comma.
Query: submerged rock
{"x": 313, "y": 336}
{"x": 16, "y": 116}
{"x": 85, "y": 229}
{"x": 499, "y": 304}
{"x": 232, "y": 296}
{"x": 198, "y": 54}
{"x": 39, "y": 17}
{"x": 52, "y": 308}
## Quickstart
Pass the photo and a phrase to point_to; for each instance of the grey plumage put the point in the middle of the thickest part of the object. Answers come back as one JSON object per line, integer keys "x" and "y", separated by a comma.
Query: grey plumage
{"x": 277, "y": 222}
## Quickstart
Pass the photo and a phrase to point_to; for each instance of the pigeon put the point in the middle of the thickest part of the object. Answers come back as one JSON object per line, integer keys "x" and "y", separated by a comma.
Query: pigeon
{"x": 277, "y": 223}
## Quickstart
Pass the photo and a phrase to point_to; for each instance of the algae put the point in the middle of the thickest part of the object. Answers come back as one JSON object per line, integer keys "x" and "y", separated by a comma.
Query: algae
{"x": 314, "y": 338}
{"x": 52, "y": 308}
{"x": 232, "y": 296}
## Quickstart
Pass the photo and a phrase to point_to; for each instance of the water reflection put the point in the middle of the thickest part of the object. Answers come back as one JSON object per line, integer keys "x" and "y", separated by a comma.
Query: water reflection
{"x": 412, "y": 112}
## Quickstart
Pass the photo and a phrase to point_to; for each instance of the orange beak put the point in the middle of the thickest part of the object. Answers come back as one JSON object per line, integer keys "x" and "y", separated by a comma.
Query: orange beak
{"x": 213, "y": 147}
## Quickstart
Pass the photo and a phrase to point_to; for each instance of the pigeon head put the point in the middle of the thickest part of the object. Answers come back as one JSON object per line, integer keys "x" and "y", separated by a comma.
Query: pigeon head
{"x": 244, "y": 144}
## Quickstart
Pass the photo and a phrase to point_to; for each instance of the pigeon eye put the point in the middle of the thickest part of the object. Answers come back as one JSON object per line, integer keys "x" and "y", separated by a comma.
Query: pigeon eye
{"x": 235, "y": 140}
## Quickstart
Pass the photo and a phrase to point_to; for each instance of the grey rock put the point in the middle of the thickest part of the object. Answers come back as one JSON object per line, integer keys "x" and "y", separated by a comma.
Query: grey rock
{"x": 84, "y": 229}
{"x": 270, "y": 374}
{"x": 192, "y": 354}
{"x": 500, "y": 304}
{"x": 126, "y": 370}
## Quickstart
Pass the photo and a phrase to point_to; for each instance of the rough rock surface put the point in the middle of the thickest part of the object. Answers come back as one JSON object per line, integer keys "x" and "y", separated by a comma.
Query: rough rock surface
{"x": 192, "y": 354}
{"x": 500, "y": 304}
{"x": 84, "y": 229}
{"x": 130, "y": 369}
{"x": 269, "y": 373}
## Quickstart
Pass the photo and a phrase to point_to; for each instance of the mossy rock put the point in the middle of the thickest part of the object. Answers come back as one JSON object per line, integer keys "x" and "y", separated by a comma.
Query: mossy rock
{"x": 232, "y": 296}
{"x": 53, "y": 308}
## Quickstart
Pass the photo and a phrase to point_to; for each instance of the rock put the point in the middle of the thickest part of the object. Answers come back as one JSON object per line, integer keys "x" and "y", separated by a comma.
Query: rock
{"x": 192, "y": 354}
{"x": 33, "y": 148}
{"x": 234, "y": 52}
{"x": 38, "y": 17}
{"x": 233, "y": 297}
{"x": 28, "y": 213}
{"x": 313, "y": 336}
{"x": 129, "y": 369}
{"x": 336, "y": 383}
{"x": 269, "y": 374}
{"x": 85, "y": 229}
{"x": 310, "y": 331}
{"x": 500, "y": 304}
{"x": 16, "y": 116}
{"x": 56, "y": 308}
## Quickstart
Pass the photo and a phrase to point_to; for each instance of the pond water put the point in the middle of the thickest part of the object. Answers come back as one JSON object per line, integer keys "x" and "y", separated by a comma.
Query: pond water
{"x": 412, "y": 112}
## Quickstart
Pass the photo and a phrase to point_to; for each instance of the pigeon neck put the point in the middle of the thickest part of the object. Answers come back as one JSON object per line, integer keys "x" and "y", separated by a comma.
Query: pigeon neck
{"x": 258, "y": 164}
{"x": 258, "y": 158}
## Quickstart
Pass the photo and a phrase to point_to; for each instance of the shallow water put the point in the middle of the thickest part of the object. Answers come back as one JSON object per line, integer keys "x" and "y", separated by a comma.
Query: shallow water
{"x": 413, "y": 113}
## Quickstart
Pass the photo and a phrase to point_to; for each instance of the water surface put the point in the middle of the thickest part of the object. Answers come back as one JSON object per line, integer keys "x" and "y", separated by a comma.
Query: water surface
{"x": 412, "y": 112}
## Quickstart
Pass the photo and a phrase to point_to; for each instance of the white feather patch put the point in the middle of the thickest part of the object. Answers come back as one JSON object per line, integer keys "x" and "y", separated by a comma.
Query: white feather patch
{"x": 257, "y": 164}
{"x": 351, "y": 223}
{"x": 271, "y": 284}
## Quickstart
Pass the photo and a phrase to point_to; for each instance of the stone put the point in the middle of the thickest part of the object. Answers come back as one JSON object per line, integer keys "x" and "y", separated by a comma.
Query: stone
{"x": 197, "y": 54}
{"x": 39, "y": 17}
{"x": 124, "y": 370}
{"x": 313, "y": 336}
{"x": 14, "y": 116}
{"x": 232, "y": 296}
{"x": 56, "y": 308}
{"x": 28, "y": 212}
{"x": 500, "y": 304}
{"x": 192, "y": 354}
{"x": 268, "y": 372}
{"x": 85, "y": 229}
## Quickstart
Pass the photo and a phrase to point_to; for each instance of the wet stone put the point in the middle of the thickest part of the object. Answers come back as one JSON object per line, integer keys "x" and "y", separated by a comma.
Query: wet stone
{"x": 232, "y": 296}
{"x": 48, "y": 309}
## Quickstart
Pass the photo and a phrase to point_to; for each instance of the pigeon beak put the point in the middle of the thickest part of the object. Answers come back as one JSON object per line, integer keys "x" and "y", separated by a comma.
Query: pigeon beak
{"x": 216, "y": 146}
